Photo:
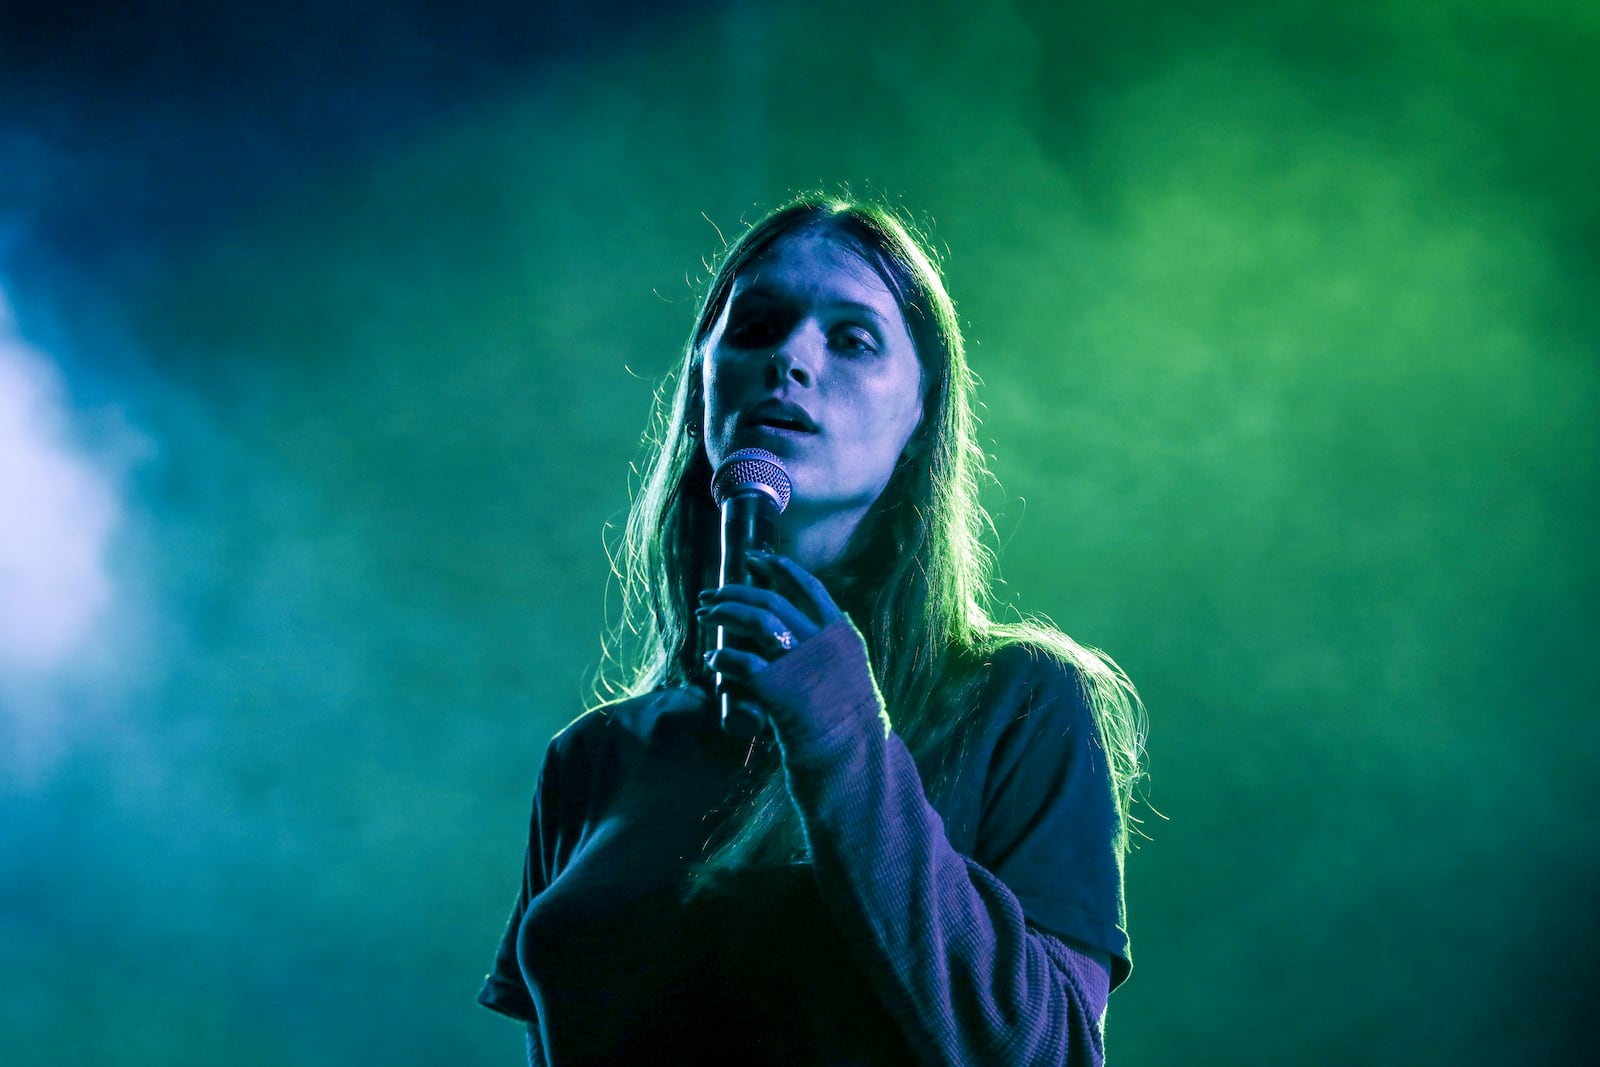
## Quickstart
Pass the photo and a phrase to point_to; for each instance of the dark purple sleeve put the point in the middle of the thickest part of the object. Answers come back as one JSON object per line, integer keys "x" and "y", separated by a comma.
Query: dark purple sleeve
{"x": 944, "y": 942}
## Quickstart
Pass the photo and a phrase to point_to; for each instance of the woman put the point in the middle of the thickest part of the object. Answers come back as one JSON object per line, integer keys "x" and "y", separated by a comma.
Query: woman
{"x": 919, "y": 859}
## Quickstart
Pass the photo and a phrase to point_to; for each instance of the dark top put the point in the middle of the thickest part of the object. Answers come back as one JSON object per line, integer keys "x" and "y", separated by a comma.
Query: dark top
{"x": 965, "y": 932}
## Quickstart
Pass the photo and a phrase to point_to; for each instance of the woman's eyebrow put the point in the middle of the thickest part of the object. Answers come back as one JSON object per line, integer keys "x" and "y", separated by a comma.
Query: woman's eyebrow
{"x": 760, "y": 292}
{"x": 767, "y": 292}
{"x": 855, "y": 305}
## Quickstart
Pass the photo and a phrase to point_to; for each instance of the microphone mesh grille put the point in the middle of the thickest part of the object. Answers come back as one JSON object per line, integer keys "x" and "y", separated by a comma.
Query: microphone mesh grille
{"x": 751, "y": 469}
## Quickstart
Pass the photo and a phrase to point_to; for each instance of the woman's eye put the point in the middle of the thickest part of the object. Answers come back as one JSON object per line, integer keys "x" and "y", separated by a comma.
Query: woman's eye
{"x": 751, "y": 330}
{"x": 854, "y": 339}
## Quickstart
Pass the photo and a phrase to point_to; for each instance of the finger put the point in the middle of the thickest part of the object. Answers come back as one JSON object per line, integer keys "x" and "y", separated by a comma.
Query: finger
{"x": 756, "y": 625}
{"x": 748, "y": 628}
{"x": 803, "y": 587}
{"x": 773, "y": 603}
{"x": 734, "y": 664}
{"x": 769, "y": 644}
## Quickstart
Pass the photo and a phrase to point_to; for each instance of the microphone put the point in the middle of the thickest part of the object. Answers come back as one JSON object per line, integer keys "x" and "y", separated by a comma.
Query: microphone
{"x": 752, "y": 489}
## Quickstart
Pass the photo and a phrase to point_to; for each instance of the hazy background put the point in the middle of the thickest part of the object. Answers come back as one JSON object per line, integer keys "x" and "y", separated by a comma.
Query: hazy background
{"x": 329, "y": 330}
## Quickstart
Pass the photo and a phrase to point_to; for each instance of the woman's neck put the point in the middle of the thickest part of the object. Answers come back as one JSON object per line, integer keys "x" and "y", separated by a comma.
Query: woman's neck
{"x": 818, "y": 542}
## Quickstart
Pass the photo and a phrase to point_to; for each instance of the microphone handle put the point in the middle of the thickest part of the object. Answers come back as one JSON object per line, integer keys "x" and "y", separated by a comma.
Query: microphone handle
{"x": 748, "y": 521}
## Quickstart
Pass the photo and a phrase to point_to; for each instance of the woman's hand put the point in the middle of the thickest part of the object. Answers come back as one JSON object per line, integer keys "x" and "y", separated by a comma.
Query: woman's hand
{"x": 807, "y": 697}
{"x": 760, "y": 625}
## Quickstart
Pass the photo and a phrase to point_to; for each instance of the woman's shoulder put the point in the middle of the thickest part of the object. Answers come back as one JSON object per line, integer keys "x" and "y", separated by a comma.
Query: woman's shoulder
{"x": 1039, "y": 686}
{"x": 1046, "y": 655}
{"x": 637, "y": 717}
{"x": 1031, "y": 671}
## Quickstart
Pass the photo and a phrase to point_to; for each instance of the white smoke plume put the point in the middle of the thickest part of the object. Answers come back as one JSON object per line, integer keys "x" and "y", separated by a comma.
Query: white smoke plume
{"x": 59, "y": 511}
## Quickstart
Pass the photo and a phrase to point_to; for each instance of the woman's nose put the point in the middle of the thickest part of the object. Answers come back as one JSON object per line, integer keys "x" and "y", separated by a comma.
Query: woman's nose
{"x": 793, "y": 360}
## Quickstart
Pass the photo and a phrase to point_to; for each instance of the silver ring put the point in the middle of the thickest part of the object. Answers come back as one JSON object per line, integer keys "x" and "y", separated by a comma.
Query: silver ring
{"x": 784, "y": 639}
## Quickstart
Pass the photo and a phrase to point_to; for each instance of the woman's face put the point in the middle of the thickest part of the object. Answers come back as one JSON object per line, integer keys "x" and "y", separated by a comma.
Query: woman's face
{"x": 811, "y": 360}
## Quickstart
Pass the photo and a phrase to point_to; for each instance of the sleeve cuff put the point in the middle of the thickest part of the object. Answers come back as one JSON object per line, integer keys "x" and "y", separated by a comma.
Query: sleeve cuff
{"x": 821, "y": 691}
{"x": 507, "y": 997}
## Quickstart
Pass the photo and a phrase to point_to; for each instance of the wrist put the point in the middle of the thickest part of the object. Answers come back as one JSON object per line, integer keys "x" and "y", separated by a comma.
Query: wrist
{"x": 821, "y": 692}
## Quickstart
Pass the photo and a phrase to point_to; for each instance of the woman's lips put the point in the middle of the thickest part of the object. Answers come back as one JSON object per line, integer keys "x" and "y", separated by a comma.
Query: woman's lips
{"x": 781, "y": 415}
{"x": 773, "y": 429}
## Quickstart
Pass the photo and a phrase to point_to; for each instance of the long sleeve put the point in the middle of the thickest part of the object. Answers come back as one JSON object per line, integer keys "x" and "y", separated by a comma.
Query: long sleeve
{"x": 944, "y": 942}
